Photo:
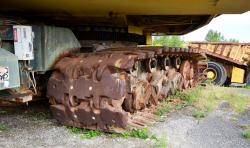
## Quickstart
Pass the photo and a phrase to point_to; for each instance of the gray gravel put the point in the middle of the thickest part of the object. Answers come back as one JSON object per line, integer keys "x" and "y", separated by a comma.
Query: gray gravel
{"x": 24, "y": 133}
{"x": 221, "y": 128}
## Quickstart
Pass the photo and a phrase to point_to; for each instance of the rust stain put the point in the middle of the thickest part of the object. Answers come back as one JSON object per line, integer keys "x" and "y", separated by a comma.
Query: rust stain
{"x": 103, "y": 92}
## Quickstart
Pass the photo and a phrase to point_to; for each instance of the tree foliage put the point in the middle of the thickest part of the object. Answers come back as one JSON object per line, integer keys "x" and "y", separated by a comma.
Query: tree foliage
{"x": 215, "y": 36}
{"x": 233, "y": 40}
{"x": 170, "y": 41}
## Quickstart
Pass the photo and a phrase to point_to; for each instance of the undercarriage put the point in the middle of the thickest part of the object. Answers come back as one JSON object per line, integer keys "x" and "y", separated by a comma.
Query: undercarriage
{"x": 119, "y": 88}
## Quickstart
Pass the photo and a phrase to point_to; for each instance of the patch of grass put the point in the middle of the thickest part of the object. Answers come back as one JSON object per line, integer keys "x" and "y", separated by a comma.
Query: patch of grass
{"x": 247, "y": 86}
{"x": 199, "y": 114}
{"x": 3, "y": 112}
{"x": 163, "y": 108}
{"x": 246, "y": 134}
{"x": 3, "y": 127}
{"x": 161, "y": 142}
{"x": 211, "y": 96}
{"x": 204, "y": 99}
{"x": 244, "y": 126}
{"x": 140, "y": 133}
{"x": 88, "y": 134}
{"x": 85, "y": 134}
{"x": 189, "y": 96}
{"x": 178, "y": 100}
{"x": 75, "y": 130}
{"x": 135, "y": 133}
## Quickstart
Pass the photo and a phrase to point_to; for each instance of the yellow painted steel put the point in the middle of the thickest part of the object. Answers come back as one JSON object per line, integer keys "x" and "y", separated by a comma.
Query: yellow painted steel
{"x": 149, "y": 40}
{"x": 211, "y": 75}
{"x": 135, "y": 30}
{"x": 237, "y": 75}
{"x": 127, "y": 7}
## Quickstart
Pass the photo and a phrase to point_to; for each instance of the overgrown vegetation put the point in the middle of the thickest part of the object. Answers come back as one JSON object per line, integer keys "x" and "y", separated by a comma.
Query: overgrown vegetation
{"x": 204, "y": 99}
{"x": 189, "y": 96}
{"x": 163, "y": 108}
{"x": 200, "y": 113}
{"x": 246, "y": 134}
{"x": 141, "y": 133}
{"x": 244, "y": 126}
{"x": 160, "y": 142}
{"x": 85, "y": 134}
{"x": 212, "y": 96}
{"x": 178, "y": 100}
{"x": 247, "y": 86}
{"x": 170, "y": 41}
{"x": 3, "y": 127}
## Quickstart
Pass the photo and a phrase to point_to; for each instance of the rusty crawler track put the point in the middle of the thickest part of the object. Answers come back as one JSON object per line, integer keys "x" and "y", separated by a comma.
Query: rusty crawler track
{"x": 115, "y": 89}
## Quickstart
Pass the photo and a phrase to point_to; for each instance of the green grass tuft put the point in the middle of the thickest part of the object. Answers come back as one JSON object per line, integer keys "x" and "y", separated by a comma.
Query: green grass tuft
{"x": 3, "y": 112}
{"x": 76, "y": 130}
{"x": 246, "y": 134}
{"x": 244, "y": 126}
{"x": 140, "y": 133}
{"x": 161, "y": 142}
{"x": 200, "y": 114}
{"x": 247, "y": 86}
{"x": 189, "y": 96}
{"x": 208, "y": 98}
{"x": 3, "y": 127}
{"x": 85, "y": 134}
{"x": 163, "y": 108}
{"x": 88, "y": 134}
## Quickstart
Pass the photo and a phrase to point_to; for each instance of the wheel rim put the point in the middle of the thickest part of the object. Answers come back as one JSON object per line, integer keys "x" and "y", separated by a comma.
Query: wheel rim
{"x": 211, "y": 74}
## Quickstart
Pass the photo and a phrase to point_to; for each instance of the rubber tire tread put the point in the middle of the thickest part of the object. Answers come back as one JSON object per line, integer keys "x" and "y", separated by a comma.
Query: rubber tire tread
{"x": 221, "y": 72}
{"x": 248, "y": 78}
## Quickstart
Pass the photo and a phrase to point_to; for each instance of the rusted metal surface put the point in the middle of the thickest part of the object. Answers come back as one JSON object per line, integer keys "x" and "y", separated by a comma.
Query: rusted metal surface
{"x": 237, "y": 53}
{"x": 114, "y": 88}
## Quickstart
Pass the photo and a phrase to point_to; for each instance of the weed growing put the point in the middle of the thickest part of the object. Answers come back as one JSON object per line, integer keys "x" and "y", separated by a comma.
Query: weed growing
{"x": 200, "y": 114}
{"x": 244, "y": 126}
{"x": 246, "y": 134}
{"x": 85, "y": 134}
{"x": 247, "y": 86}
{"x": 161, "y": 142}
{"x": 205, "y": 99}
{"x": 3, "y": 127}
{"x": 163, "y": 108}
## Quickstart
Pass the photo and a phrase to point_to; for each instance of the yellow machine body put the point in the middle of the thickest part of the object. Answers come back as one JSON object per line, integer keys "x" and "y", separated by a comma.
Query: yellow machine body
{"x": 237, "y": 75}
{"x": 156, "y": 17}
{"x": 128, "y": 7}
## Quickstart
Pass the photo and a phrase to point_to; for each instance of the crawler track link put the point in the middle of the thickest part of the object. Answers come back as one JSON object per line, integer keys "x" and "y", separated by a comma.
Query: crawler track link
{"x": 116, "y": 89}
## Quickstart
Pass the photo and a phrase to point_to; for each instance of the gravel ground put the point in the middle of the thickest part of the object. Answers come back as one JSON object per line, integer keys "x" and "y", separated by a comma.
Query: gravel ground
{"x": 244, "y": 91}
{"x": 25, "y": 133}
{"x": 221, "y": 128}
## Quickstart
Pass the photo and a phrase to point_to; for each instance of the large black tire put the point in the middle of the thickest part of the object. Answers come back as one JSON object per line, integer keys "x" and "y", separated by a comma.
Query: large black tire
{"x": 248, "y": 78}
{"x": 221, "y": 73}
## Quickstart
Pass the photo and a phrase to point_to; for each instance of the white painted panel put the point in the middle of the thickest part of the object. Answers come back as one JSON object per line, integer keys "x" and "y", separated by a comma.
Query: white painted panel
{"x": 23, "y": 42}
